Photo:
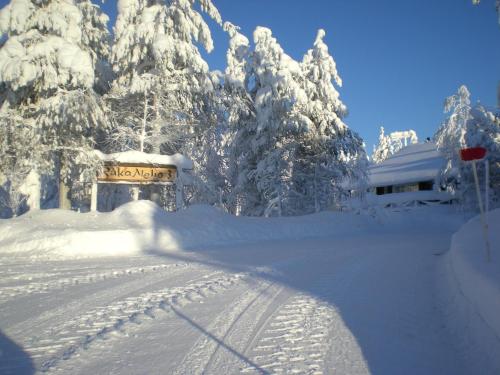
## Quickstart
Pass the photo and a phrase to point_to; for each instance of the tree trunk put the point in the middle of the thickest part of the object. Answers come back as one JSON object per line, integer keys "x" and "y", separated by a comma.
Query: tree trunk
{"x": 144, "y": 123}
{"x": 135, "y": 193}
{"x": 64, "y": 200}
{"x": 156, "y": 129}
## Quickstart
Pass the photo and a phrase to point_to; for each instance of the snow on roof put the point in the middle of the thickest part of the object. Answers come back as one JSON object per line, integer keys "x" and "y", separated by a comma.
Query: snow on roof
{"x": 180, "y": 161}
{"x": 414, "y": 163}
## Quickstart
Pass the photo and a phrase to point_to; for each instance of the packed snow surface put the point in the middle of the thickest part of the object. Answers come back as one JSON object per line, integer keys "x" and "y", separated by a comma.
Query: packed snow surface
{"x": 142, "y": 291}
{"x": 414, "y": 163}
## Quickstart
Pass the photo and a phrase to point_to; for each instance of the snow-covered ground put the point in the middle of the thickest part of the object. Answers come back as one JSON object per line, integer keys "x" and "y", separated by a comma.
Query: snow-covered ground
{"x": 141, "y": 291}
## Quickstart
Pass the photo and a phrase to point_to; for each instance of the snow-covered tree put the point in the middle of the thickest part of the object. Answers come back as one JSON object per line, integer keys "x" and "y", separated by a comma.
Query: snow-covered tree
{"x": 332, "y": 153}
{"x": 50, "y": 65}
{"x": 468, "y": 126}
{"x": 483, "y": 129}
{"x": 292, "y": 152}
{"x": 267, "y": 158}
{"x": 450, "y": 137}
{"x": 390, "y": 144}
{"x": 18, "y": 149}
{"x": 241, "y": 124}
{"x": 159, "y": 69}
{"x": 162, "y": 100}
{"x": 382, "y": 150}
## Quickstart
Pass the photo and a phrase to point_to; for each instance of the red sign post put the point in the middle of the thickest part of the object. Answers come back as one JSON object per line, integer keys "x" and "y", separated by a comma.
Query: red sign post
{"x": 473, "y": 155}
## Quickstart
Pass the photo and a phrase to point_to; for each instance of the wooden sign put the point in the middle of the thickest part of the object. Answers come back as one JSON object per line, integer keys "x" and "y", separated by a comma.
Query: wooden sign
{"x": 137, "y": 173}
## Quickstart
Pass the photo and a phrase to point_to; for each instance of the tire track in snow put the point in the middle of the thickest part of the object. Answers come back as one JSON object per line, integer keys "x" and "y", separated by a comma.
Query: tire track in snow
{"x": 299, "y": 335}
{"x": 78, "y": 333}
{"x": 8, "y": 293}
{"x": 226, "y": 347}
{"x": 83, "y": 299}
{"x": 243, "y": 334}
{"x": 296, "y": 339}
{"x": 226, "y": 334}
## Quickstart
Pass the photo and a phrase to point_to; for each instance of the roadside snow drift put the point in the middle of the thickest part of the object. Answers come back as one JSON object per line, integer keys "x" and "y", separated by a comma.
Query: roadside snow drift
{"x": 473, "y": 286}
{"x": 141, "y": 227}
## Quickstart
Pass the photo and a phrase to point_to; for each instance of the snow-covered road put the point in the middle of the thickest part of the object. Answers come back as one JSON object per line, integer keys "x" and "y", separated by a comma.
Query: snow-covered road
{"x": 340, "y": 305}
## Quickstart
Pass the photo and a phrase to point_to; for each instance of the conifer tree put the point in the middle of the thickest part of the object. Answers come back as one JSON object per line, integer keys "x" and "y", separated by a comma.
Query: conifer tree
{"x": 333, "y": 156}
{"x": 467, "y": 126}
{"x": 278, "y": 97}
{"x": 241, "y": 123}
{"x": 164, "y": 98}
{"x": 50, "y": 67}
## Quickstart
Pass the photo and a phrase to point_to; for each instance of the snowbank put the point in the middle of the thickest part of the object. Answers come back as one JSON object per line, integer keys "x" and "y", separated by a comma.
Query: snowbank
{"x": 140, "y": 227}
{"x": 473, "y": 286}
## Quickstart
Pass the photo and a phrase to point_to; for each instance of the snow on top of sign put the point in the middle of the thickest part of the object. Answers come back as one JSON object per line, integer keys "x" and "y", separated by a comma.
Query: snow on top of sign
{"x": 180, "y": 161}
{"x": 416, "y": 162}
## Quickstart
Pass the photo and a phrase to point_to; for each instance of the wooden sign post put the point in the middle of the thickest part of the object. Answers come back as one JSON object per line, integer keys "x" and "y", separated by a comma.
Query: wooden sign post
{"x": 138, "y": 168}
{"x": 137, "y": 174}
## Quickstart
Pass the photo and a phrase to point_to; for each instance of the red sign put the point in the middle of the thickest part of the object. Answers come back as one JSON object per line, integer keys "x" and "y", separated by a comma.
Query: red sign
{"x": 474, "y": 153}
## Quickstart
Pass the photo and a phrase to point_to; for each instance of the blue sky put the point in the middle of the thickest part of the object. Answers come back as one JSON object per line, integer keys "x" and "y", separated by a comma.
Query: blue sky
{"x": 398, "y": 59}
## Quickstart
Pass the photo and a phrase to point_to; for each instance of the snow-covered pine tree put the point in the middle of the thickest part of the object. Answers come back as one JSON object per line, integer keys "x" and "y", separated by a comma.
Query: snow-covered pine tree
{"x": 241, "y": 122}
{"x": 266, "y": 164}
{"x": 48, "y": 73}
{"x": 159, "y": 71}
{"x": 382, "y": 150}
{"x": 296, "y": 154}
{"x": 19, "y": 151}
{"x": 390, "y": 144}
{"x": 467, "y": 126}
{"x": 450, "y": 138}
{"x": 162, "y": 100}
{"x": 332, "y": 157}
{"x": 483, "y": 129}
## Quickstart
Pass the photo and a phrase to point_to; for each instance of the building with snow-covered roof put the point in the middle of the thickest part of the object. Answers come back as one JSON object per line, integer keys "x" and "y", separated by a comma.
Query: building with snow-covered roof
{"x": 408, "y": 176}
